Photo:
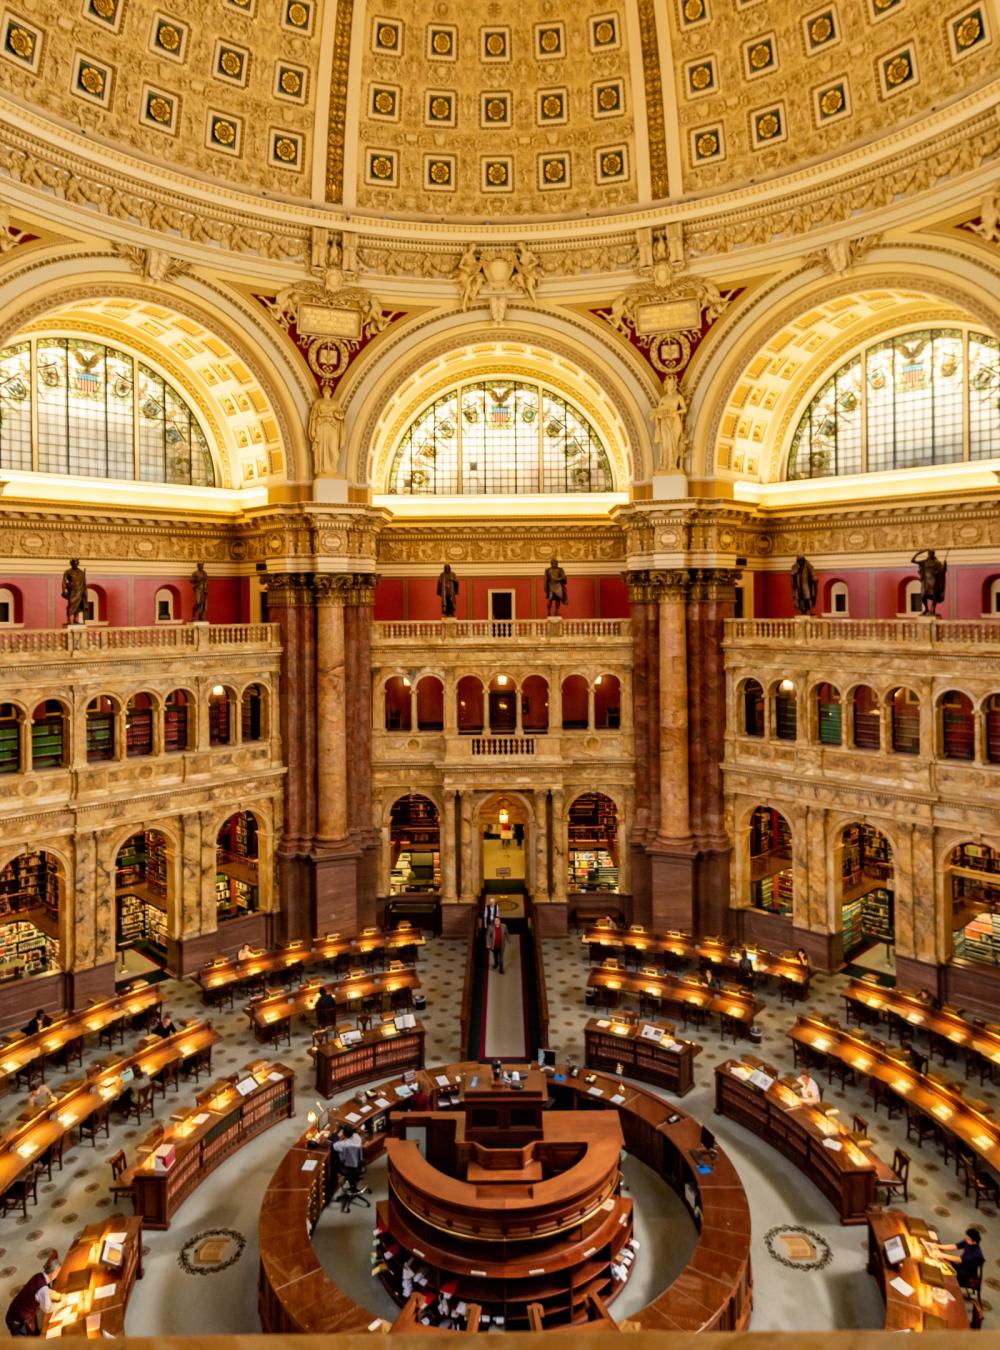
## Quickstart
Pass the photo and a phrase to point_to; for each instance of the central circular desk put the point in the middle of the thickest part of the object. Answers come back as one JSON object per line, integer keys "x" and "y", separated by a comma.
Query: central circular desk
{"x": 712, "y": 1293}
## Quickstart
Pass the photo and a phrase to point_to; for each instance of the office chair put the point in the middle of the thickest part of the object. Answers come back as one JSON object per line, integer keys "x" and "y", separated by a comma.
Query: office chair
{"x": 351, "y": 1191}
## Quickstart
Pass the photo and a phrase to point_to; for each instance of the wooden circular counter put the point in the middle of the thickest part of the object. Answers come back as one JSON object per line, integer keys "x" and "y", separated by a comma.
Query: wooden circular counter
{"x": 712, "y": 1293}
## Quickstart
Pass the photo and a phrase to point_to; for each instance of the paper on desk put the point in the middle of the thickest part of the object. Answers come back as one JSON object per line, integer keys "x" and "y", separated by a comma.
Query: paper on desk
{"x": 105, "y": 1291}
{"x": 310, "y": 1165}
{"x": 53, "y": 1331}
{"x": 603, "y": 1022}
{"x": 442, "y": 1080}
{"x": 833, "y": 1144}
{"x": 617, "y": 1099}
{"x": 353, "y": 1117}
{"x": 116, "y": 1239}
{"x": 901, "y": 1287}
{"x": 381, "y": 1103}
{"x": 274, "y": 1077}
{"x": 595, "y": 1092}
{"x": 200, "y": 1118}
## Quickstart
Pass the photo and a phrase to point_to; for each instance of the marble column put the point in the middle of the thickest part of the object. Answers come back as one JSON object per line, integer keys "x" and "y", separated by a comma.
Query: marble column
{"x": 331, "y": 712}
{"x": 541, "y": 848}
{"x": 468, "y": 884}
{"x": 188, "y": 905}
{"x": 559, "y": 861}
{"x": 448, "y": 870}
{"x": 675, "y": 819}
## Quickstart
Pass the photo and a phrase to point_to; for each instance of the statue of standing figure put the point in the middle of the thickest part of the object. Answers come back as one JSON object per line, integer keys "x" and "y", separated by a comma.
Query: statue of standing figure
{"x": 668, "y": 421}
{"x": 932, "y": 571}
{"x": 555, "y": 587}
{"x": 804, "y": 588}
{"x": 447, "y": 589}
{"x": 74, "y": 592}
{"x": 199, "y": 580}
{"x": 326, "y": 432}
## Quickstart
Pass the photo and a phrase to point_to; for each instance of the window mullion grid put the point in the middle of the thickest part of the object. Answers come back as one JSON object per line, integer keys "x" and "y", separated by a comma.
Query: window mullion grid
{"x": 966, "y": 400}
{"x": 136, "y": 452}
{"x": 33, "y": 373}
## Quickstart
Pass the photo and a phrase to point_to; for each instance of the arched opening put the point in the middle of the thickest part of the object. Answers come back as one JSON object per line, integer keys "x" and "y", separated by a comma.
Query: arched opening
{"x": 398, "y": 715}
{"x": 785, "y": 711}
{"x": 220, "y": 722}
{"x": 175, "y": 721}
{"x": 503, "y": 705}
{"x": 770, "y": 844}
{"x": 10, "y": 607}
{"x": 607, "y": 703}
{"x": 575, "y": 702}
{"x": 101, "y": 718}
{"x": 867, "y": 723}
{"x": 910, "y": 598}
{"x": 31, "y": 889}
{"x": 48, "y": 735}
{"x": 430, "y": 704}
{"x": 139, "y": 714}
{"x": 503, "y": 824}
{"x": 142, "y": 884}
{"x": 11, "y": 731}
{"x": 972, "y": 876}
{"x": 836, "y": 600}
{"x": 253, "y": 710}
{"x": 96, "y": 610}
{"x": 829, "y": 714}
{"x": 535, "y": 705}
{"x": 469, "y": 701}
{"x": 593, "y": 843}
{"x": 956, "y": 725}
{"x": 414, "y": 845}
{"x": 237, "y": 862}
{"x": 166, "y": 605}
{"x": 753, "y": 708}
{"x": 991, "y": 598}
{"x": 865, "y": 868}
{"x": 991, "y": 728}
{"x": 904, "y": 715}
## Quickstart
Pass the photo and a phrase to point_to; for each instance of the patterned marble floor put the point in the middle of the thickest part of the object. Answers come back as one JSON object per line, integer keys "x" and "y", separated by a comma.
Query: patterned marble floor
{"x": 177, "y": 1297}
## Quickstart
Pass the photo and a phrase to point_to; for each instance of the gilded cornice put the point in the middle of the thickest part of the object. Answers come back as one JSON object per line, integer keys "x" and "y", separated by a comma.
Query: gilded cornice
{"x": 56, "y": 162}
{"x": 469, "y": 543}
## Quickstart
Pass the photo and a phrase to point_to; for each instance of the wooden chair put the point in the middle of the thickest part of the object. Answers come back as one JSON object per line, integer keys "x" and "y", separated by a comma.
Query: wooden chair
{"x": 112, "y": 1032}
{"x": 729, "y": 1026}
{"x": 918, "y": 1124}
{"x": 71, "y": 1053}
{"x": 900, "y": 1182}
{"x": 18, "y": 1193}
{"x": 976, "y": 1314}
{"x": 119, "y": 1165}
{"x": 92, "y": 1126}
{"x": 141, "y": 1103}
{"x": 983, "y": 1184}
{"x": 881, "y": 1095}
{"x": 31, "y": 1074}
{"x": 859, "y": 1125}
{"x": 52, "y": 1155}
{"x": 972, "y": 1285}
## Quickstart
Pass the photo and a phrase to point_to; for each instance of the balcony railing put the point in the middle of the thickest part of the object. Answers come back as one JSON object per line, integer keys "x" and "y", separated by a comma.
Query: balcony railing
{"x": 503, "y": 745}
{"x": 87, "y": 639}
{"x": 502, "y": 630}
{"x": 884, "y": 634}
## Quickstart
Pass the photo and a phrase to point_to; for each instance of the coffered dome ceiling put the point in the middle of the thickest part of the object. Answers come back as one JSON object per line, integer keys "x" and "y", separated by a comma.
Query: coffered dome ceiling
{"x": 451, "y": 108}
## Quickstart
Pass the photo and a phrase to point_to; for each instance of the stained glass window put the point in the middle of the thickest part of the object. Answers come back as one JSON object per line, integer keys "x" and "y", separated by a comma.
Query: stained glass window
{"x": 98, "y": 413}
{"x": 500, "y": 436}
{"x": 931, "y": 396}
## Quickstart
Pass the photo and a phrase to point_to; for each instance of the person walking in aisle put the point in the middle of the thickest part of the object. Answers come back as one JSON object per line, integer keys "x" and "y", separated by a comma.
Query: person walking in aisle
{"x": 496, "y": 941}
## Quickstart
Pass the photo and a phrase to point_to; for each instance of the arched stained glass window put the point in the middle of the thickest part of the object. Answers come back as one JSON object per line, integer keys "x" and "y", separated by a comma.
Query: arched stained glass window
{"x": 73, "y": 406}
{"x": 500, "y": 436}
{"x": 931, "y": 396}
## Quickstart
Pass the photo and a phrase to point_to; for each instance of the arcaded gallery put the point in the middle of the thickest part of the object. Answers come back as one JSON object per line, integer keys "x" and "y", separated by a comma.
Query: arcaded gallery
{"x": 500, "y": 670}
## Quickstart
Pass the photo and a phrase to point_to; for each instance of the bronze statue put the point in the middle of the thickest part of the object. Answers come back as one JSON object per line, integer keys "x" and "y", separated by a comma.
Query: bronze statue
{"x": 555, "y": 587}
{"x": 447, "y": 589}
{"x": 74, "y": 592}
{"x": 932, "y": 574}
{"x": 199, "y": 580}
{"x": 804, "y": 587}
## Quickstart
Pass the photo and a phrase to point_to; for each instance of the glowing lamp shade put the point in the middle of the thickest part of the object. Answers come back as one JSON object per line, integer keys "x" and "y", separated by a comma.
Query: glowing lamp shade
{"x": 218, "y": 690}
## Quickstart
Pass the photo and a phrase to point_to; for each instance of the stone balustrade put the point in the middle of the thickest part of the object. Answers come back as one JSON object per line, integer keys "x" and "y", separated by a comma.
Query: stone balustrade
{"x": 449, "y": 631}
{"x": 881, "y": 635}
{"x": 90, "y": 640}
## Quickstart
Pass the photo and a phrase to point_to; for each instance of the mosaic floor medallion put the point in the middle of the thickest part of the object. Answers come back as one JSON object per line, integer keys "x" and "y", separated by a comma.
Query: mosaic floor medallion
{"x": 211, "y": 1251}
{"x": 798, "y": 1248}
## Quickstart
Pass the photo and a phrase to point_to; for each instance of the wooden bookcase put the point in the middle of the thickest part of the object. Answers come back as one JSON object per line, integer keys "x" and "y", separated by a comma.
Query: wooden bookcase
{"x": 375, "y": 1056}
{"x": 641, "y": 1057}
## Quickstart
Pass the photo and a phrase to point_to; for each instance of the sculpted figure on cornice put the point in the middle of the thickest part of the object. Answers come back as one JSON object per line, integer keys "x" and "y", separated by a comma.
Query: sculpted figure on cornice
{"x": 499, "y": 274}
{"x": 989, "y": 217}
{"x": 152, "y": 264}
{"x": 666, "y": 314}
{"x": 355, "y": 311}
{"x": 838, "y": 258}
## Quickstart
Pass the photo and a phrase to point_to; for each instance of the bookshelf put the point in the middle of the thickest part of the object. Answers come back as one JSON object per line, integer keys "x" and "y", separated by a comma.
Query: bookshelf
{"x": 373, "y": 1057}
{"x": 219, "y": 1124}
{"x": 830, "y": 723}
{"x": 218, "y": 720}
{"x": 974, "y": 871}
{"x": 251, "y": 716}
{"x": 100, "y": 731}
{"x": 979, "y": 940}
{"x": 877, "y": 914}
{"x": 141, "y": 890}
{"x": 47, "y": 737}
{"x": 10, "y": 739}
{"x": 28, "y": 882}
{"x": 592, "y": 870}
{"x": 662, "y": 1061}
{"x": 139, "y": 731}
{"x": 25, "y": 950}
{"x": 854, "y": 934}
{"x": 236, "y": 878}
{"x": 175, "y": 723}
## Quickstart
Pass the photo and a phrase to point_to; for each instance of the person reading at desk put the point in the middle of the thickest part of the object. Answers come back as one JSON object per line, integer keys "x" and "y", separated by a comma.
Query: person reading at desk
{"x": 245, "y": 952}
{"x": 348, "y": 1150}
{"x": 32, "y": 1301}
{"x": 746, "y": 970}
{"x": 710, "y": 978}
{"x": 326, "y": 1008}
{"x": 802, "y": 956}
{"x": 40, "y": 1097}
{"x": 39, "y": 1022}
{"x": 166, "y": 1026}
{"x": 969, "y": 1259}
{"x": 807, "y": 1088}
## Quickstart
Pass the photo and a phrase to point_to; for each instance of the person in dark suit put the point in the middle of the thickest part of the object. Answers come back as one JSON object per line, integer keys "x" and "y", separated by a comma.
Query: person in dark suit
{"x": 39, "y": 1022}
{"x": 166, "y": 1026}
{"x": 32, "y": 1301}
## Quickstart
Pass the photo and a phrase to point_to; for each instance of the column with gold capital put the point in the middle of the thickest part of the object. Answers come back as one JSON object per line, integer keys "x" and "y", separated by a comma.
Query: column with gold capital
{"x": 332, "y": 593}
{"x": 675, "y": 813}
{"x": 449, "y": 894}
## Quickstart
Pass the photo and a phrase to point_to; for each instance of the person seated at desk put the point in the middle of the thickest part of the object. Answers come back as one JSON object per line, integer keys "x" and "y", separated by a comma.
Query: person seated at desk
{"x": 40, "y": 1097}
{"x": 348, "y": 1151}
{"x": 418, "y": 1101}
{"x": 802, "y": 956}
{"x": 166, "y": 1026}
{"x": 39, "y": 1022}
{"x": 32, "y": 1301}
{"x": 918, "y": 1063}
{"x": 745, "y": 968}
{"x": 245, "y": 952}
{"x": 969, "y": 1260}
{"x": 326, "y": 1008}
{"x": 710, "y": 978}
{"x": 807, "y": 1088}
{"x": 125, "y": 1100}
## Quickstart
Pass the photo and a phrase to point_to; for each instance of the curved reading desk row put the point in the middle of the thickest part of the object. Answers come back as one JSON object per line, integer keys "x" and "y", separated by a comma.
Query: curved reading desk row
{"x": 712, "y": 1293}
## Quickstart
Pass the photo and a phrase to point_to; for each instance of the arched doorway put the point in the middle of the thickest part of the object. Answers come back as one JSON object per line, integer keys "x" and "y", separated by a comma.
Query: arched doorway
{"x": 31, "y": 889}
{"x": 593, "y": 843}
{"x": 414, "y": 845}
{"x": 237, "y": 862}
{"x": 972, "y": 880}
{"x": 141, "y": 896}
{"x": 771, "y": 876}
{"x": 504, "y": 838}
{"x": 865, "y": 868}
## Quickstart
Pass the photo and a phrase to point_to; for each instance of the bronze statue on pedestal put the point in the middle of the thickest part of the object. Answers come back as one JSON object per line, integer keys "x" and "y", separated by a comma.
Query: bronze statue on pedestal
{"x": 804, "y": 587}
{"x": 199, "y": 580}
{"x": 555, "y": 587}
{"x": 447, "y": 589}
{"x": 932, "y": 571}
{"x": 74, "y": 592}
